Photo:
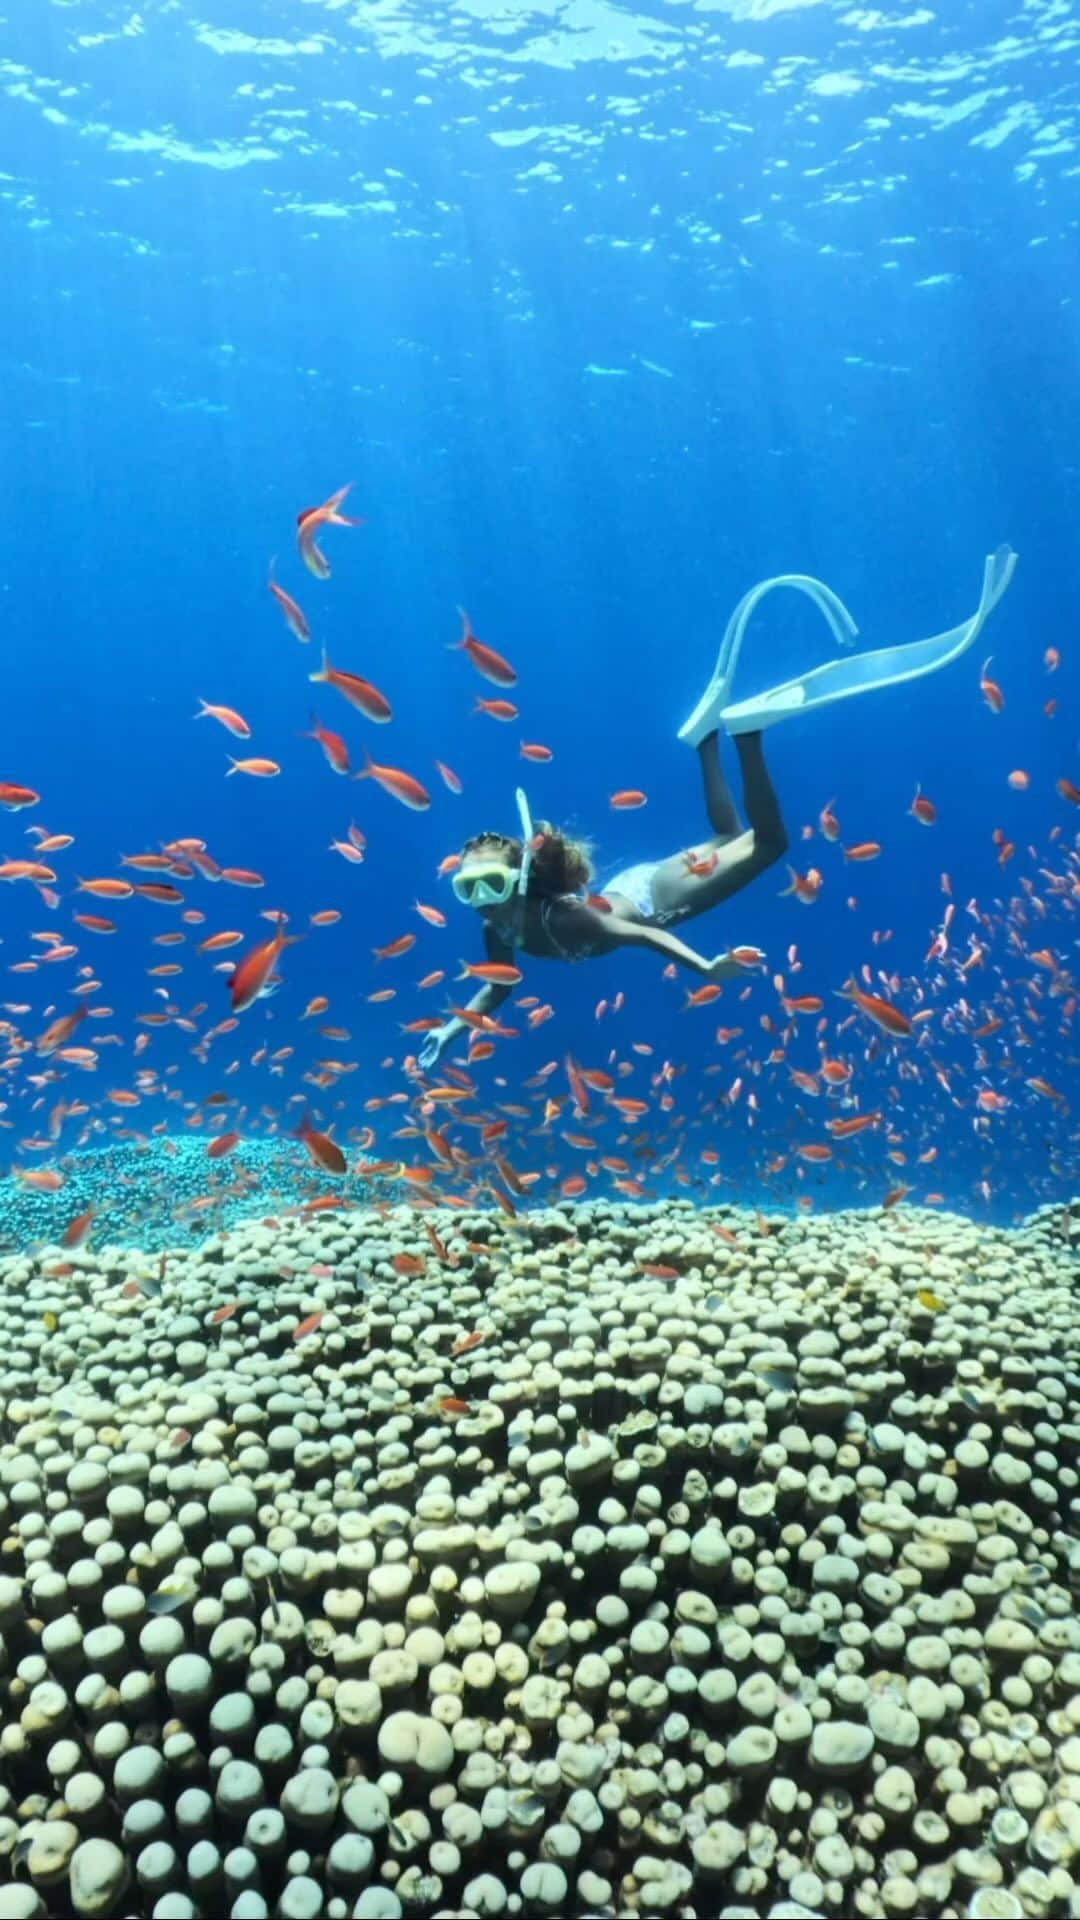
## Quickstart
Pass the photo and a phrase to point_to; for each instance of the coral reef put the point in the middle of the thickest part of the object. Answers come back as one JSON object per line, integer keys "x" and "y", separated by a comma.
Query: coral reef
{"x": 606, "y": 1561}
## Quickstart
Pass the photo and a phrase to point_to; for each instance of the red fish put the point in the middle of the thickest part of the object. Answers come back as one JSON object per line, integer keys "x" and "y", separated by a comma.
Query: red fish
{"x": 484, "y": 659}
{"x": 494, "y": 972}
{"x": 332, "y": 744}
{"x": 358, "y": 692}
{"x": 922, "y": 809}
{"x": 223, "y": 1144}
{"x": 13, "y": 797}
{"x": 77, "y": 1231}
{"x": 249, "y": 978}
{"x": 400, "y": 786}
{"x": 626, "y": 799}
{"x": 321, "y": 1149}
{"x": 881, "y": 1012}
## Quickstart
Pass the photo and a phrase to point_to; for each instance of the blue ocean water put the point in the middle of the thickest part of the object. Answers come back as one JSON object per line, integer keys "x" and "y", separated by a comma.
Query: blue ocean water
{"x": 606, "y": 312}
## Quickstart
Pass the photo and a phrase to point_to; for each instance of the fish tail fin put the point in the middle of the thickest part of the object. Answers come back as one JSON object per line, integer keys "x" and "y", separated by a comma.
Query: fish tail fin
{"x": 365, "y": 772}
{"x": 203, "y": 708}
{"x": 455, "y": 646}
{"x": 232, "y": 766}
{"x": 790, "y": 888}
{"x": 323, "y": 672}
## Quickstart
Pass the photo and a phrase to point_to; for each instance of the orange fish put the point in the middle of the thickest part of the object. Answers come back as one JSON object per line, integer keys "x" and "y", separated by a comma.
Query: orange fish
{"x": 307, "y": 1326}
{"x": 1051, "y": 659}
{"x": 396, "y": 947}
{"x": 467, "y": 1342}
{"x": 814, "y": 1152}
{"x": 627, "y": 798}
{"x": 805, "y": 887}
{"x": 1019, "y": 781}
{"x": 491, "y": 971}
{"x": 486, "y": 661}
{"x": 42, "y": 1179}
{"x": 532, "y": 750}
{"x": 496, "y": 709}
{"x": 77, "y": 1231}
{"x": 881, "y": 1012}
{"x": 321, "y": 1149}
{"x": 989, "y": 689}
{"x": 215, "y": 941}
{"x": 448, "y": 777}
{"x": 431, "y": 914}
{"x": 157, "y": 890}
{"x": 451, "y": 1405}
{"x": 223, "y": 1144}
{"x": 308, "y": 524}
{"x": 13, "y": 797}
{"x": 95, "y": 924}
{"x": 702, "y": 996}
{"x": 59, "y": 1031}
{"x": 332, "y": 744}
{"x": 854, "y": 1123}
{"x": 251, "y": 974}
{"x": 227, "y": 717}
{"x": 106, "y": 889}
{"x": 1068, "y": 791}
{"x": 828, "y": 824}
{"x": 294, "y": 617}
{"x": 260, "y": 769}
{"x": 865, "y": 850}
{"x": 408, "y": 1265}
{"x": 922, "y": 809}
{"x": 359, "y": 693}
{"x": 400, "y": 786}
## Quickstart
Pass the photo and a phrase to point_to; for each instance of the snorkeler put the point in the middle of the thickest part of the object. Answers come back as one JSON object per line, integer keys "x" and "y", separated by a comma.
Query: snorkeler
{"x": 529, "y": 890}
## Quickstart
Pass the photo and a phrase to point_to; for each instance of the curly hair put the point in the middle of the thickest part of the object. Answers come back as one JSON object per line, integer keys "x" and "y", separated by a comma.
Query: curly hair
{"x": 559, "y": 864}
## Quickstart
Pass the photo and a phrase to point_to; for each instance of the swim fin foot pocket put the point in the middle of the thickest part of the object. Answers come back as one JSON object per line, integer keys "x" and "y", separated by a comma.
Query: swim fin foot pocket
{"x": 837, "y": 679}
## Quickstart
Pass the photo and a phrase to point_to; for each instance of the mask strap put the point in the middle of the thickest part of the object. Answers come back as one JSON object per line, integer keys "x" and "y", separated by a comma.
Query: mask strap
{"x": 525, "y": 818}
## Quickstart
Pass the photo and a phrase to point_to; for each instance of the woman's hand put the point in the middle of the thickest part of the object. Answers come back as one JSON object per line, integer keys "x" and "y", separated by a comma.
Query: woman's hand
{"x": 432, "y": 1048}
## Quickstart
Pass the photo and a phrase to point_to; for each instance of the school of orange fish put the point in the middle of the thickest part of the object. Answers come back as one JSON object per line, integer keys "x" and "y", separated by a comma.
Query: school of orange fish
{"x": 995, "y": 998}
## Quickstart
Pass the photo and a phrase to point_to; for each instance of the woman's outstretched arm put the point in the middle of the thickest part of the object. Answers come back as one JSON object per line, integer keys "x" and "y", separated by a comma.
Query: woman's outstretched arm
{"x": 603, "y": 932}
{"x": 631, "y": 933}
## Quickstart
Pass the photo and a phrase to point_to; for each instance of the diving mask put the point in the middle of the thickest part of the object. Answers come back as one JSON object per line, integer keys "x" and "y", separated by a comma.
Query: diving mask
{"x": 485, "y": 886}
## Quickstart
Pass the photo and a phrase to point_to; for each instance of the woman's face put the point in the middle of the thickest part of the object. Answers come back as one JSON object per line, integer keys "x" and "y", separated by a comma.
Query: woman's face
{"x": 486, "y": 880}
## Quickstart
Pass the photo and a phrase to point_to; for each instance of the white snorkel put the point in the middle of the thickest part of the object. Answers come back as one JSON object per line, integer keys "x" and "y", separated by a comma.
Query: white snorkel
{"x": 525, "y": 818}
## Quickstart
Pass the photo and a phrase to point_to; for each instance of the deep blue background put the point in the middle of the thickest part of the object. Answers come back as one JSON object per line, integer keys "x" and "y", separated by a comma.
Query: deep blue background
{"x": 247, "y": 261}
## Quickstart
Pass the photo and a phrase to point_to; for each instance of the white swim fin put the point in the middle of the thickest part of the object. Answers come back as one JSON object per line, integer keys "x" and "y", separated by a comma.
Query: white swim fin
{"x": 887, "y": 667}
{"x": 706, "y": 715}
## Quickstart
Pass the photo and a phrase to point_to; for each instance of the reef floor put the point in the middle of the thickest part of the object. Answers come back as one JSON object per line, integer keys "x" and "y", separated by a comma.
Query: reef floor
{"x": 613, "y": 1560}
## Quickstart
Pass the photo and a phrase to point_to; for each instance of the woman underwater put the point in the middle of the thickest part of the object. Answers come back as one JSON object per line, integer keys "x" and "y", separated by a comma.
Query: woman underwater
{"x": 528, "y": 891}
